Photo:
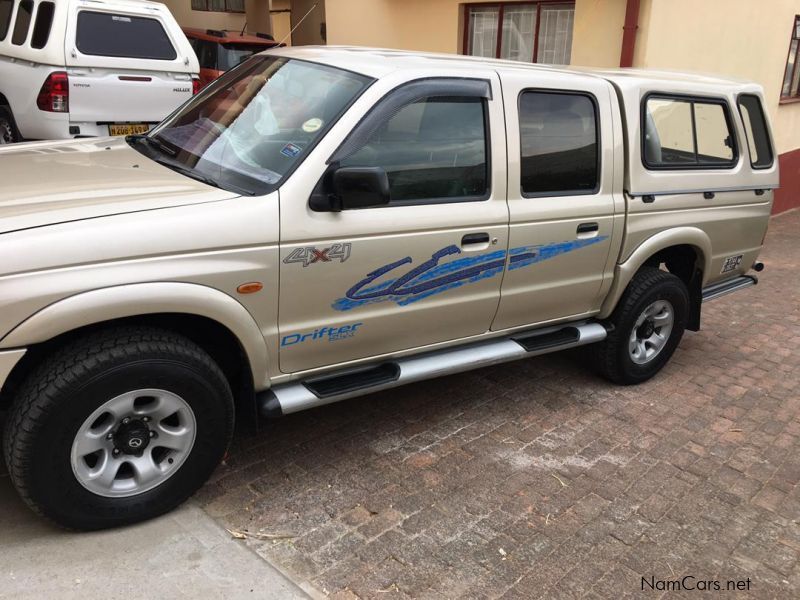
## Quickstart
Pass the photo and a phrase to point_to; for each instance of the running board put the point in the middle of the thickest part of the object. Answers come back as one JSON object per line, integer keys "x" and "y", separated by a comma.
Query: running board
{"x": 726, "y": 287}
{"x": 316, "y": 391}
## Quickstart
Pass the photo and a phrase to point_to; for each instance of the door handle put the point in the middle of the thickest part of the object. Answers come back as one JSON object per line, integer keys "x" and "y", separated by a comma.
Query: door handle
{"x": 708, "y": 195}
{"x": 475, "y": 238}
{"x": 588, "y": 228}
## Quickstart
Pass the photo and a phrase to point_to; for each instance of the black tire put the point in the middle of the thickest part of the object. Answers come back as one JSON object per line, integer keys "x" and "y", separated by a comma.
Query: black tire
{"x": 9, "y": 133}
{"x": 61, "y": 394}
{"x": 612, "y": 357}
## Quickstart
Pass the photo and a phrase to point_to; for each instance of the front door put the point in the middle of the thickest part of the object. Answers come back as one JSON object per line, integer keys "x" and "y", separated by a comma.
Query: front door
{"x": 427, "y": 267}
{"x": 564, "y": 208}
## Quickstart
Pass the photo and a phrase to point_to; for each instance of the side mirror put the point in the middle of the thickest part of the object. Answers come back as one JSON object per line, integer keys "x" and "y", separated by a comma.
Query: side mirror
{"x": 361, "y": 187}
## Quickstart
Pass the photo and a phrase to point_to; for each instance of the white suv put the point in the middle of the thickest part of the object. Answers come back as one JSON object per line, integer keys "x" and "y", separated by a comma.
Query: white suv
{"x": 77, "y": 68}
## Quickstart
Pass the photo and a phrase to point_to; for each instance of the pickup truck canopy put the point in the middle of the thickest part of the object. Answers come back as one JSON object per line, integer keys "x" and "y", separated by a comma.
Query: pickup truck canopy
{"x": 632, "y": 87}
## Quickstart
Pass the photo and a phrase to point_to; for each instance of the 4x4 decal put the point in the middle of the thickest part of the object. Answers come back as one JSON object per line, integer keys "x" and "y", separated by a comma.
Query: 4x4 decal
{"x": 311, "y": 254}
{"x": 433, "y": 277}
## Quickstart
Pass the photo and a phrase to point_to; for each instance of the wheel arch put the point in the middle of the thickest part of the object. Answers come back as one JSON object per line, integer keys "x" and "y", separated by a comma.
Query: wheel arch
{"x": 686, "y": 251}
{"x": 210, "y": 318}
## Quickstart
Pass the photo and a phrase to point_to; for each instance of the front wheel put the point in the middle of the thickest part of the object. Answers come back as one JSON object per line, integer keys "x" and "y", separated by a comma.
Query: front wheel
{"x": 118, "y": 427}
{"x": 648, "y": 324}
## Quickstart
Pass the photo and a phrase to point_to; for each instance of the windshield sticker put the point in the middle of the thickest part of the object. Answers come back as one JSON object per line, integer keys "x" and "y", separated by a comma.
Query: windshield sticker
{"x": 312, "y": 125}
{"x": 434, "y": 277}
{"x": 328, "y": 334}
{"x": 290, "y": 150}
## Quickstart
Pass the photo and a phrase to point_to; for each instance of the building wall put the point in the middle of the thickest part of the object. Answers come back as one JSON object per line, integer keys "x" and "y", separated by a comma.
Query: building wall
{"x": 307, "y": 19}
{"x": 257, "y": 16}
{"x": 186, "y": 17}
{"x": 281, "y": 21}
{"x": 597, "y": 32}
{"x": 425, "y": 25}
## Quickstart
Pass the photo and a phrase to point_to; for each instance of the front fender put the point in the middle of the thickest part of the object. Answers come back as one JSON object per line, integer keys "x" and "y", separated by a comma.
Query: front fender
{"x": 624, "y": 272}
{"x": 107, "y": 304}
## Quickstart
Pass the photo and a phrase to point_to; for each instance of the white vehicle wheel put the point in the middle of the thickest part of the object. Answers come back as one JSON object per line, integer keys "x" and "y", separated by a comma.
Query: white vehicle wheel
{"x": 8, "y": 130}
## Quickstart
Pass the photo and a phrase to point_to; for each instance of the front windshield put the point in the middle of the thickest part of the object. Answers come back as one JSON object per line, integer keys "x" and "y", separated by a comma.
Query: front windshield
{"x": 256, "y": 122}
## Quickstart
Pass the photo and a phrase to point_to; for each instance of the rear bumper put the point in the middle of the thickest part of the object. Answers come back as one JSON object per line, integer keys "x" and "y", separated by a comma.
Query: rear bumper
{"x": 8, "y": 360}
{"x": 64, "y": 129}
{"x": 87, "y": 129}
{"x": 728, "y": 286}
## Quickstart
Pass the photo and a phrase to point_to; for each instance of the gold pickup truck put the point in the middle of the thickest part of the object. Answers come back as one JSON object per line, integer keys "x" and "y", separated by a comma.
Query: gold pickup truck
{"x": 323, "y": 223}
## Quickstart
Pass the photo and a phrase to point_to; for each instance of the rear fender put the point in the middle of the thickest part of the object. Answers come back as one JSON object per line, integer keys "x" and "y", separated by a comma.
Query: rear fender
{"x": 624, "y": 272}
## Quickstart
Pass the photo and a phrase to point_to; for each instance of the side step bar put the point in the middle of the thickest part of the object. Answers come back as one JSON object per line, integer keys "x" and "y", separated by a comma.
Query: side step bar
{"x": 299, "y": 395}
{"x": 726, "y": 287}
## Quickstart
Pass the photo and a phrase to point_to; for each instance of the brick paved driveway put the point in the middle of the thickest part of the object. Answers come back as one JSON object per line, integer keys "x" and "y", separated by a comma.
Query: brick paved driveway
{"x": 537, "y": 478}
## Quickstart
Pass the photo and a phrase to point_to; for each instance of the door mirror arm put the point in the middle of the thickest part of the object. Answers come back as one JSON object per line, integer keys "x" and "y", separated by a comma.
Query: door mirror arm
{"x": 321, "y": 201}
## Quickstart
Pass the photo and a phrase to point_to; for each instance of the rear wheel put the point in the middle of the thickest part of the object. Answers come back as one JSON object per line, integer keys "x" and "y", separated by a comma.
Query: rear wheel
{"x": 648, "y": 324}
{"x": 119, "y": 427}
{"x": 8, "y": 129}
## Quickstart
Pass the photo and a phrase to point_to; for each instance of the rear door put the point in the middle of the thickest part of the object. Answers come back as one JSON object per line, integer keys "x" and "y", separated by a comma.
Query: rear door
{"x": 126, "y": 67}
{"x": 564, "y": 208}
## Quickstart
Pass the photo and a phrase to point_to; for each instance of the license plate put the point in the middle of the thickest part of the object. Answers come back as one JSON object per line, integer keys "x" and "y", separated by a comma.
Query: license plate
{"x": 128, "y": 129}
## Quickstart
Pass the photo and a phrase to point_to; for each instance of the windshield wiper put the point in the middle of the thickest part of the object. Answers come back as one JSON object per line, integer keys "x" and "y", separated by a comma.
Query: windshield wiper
{"x": 187, "y": 171}
{"x": 151, "y": 142}
{"x": 197, "y": 176}
{"x": 181, "y": 168}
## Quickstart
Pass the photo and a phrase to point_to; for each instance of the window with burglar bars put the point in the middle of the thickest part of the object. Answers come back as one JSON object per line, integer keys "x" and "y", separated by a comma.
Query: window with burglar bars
{"x": 791, "y": 77}
{"x": 523, "y": 31}
{"x": 236, "y": 6}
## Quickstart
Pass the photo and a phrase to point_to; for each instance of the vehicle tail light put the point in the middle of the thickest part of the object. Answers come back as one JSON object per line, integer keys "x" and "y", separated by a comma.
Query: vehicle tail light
{"x": 196, "y": 85}
{"x": 54, "y": 95}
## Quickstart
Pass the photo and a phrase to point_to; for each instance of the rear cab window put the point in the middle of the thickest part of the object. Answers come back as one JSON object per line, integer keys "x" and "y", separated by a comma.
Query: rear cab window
{"x": 559, "y": 144}
{"x": 122, "y": 36}
{"x": 687, "y": 133}
{"x": 6, "y": 8}
{"x": 755, "y": 128}
{"x": 43, "y": 24}
{"x": 23, "y": 22}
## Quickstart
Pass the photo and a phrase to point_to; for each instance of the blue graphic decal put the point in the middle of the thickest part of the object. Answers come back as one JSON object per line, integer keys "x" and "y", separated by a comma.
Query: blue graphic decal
{"x": 528, "y": 255}
{"x": 431, "y": 277}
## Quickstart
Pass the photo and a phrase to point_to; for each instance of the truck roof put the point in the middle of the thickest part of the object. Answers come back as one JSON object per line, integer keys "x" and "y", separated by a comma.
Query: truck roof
{"x": 378, "y": 62}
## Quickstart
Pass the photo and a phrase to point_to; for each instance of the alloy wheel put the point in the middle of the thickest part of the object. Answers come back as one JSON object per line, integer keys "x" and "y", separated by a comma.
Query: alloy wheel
{"x": 133, "y": 443}
{"x": 651, "y": 332}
